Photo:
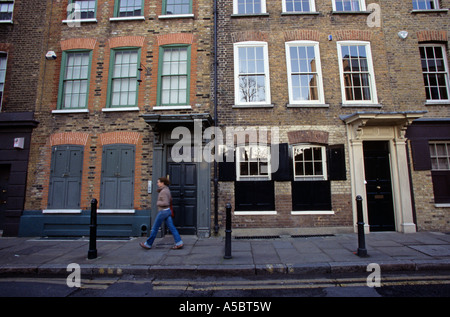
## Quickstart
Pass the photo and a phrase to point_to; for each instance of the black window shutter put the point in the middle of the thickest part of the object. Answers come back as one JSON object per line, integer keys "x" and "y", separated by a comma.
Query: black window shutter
{"x": 421, "y": 154}
{"x": 441, "y": 186}
{"x": 283, "y": 170}
{"x": 227, "y": 170}
{"x": 336, "y": 162}
{"x": 254, "y": 196}
{"x": 311, "y": 195}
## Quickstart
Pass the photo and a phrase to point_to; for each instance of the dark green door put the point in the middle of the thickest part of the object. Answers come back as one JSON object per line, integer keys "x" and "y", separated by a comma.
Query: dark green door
{"x": 183, "y": 186}
{"x": 379, "y": 186}
{"x": 65, "y": 177}
{"x": 117, "y": 187}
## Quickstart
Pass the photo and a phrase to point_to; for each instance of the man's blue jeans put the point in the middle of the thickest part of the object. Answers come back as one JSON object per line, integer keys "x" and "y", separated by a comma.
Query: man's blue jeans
{"x": 164, "y": 215}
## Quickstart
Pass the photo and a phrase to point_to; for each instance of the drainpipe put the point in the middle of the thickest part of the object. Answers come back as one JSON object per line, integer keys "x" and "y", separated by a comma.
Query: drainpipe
{"x": 216, "y": 124}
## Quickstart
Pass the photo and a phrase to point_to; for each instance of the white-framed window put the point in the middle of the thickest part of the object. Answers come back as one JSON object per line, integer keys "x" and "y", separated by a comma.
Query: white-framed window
{"x": 435, "y": 71}
{"x": 86, "y": 8}
{"x": 6, "y": 11}
{"x": 425, "y": 4}
{"x": 310, "y": 162}
{"x": 253, "y": 162}
{"x": 440, "y": 156}
{"x": 356, "y": 73}
{"x": 251, "y": 74}
{"x": 3, "y": 62}
{"x": 294, "y": 6}
{"x": 249, "y": 6}
{"x": 304, "y": 73}
{"x": 349, "y": 5}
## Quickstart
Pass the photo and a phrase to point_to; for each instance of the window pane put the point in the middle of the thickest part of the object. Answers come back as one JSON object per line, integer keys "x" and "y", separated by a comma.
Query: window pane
{"x": 249, "y": 6}
{"x": 178, "y": 6}
{"x": 130, "y": 8}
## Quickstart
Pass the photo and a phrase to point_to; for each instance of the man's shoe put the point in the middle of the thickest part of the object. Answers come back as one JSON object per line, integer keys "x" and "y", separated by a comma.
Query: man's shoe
{"x": 145, "y": 246}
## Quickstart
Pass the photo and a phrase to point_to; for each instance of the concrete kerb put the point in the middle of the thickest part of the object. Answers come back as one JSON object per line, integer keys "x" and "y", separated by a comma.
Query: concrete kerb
{"x": 180, "y": 271}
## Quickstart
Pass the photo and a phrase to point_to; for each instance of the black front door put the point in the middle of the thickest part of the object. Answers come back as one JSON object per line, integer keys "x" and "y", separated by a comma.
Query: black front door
{"x": 183, "y": 186}
{"x": 378, "y": 187}
{"x": 4, "y": 179}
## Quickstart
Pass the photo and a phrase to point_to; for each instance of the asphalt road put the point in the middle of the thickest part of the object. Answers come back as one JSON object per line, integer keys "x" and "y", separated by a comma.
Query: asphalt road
{"x": 355, "y": 285}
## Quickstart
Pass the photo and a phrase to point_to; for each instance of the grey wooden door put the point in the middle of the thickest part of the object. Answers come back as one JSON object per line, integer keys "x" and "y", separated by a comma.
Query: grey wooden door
{"x": 117, "y": 186}
{"x": 65, "y": 177}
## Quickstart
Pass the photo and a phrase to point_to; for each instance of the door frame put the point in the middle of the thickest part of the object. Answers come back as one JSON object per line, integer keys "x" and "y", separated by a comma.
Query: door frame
{"x": 379, "y": 126}
{"x": 162, "y": 126}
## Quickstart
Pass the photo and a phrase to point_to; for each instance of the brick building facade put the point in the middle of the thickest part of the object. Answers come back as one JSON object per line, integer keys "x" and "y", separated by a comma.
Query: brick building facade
{"x": 345, "y": 90}
{"x": 125, "y": 73}
{"x": 21, "y": 43}
{"x": 325, "y": 100}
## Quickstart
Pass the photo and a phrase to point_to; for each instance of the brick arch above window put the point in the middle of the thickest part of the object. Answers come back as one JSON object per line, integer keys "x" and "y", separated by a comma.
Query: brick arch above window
{"x": 353, "y": 35}
{"x": 308, "y": 136}
{"x": 119, "y": 137}
{"x": 249, "y": 36}
{"x": 175, "y": 38}
{"x": 78, "y": 43}
{"x": 131, "y": 41}
{"x": 435, "y": 36}
{"x": 301, "y": 35}
{"x": 72, "y": 138}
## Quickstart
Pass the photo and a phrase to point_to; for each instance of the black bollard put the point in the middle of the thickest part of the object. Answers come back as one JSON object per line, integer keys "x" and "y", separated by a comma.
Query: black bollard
{"x": 92, "y": 253}
{"x": 362, "y": 251}
{"x": 228, "y": 233}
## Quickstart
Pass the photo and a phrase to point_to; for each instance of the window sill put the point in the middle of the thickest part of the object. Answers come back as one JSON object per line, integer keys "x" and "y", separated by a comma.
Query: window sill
{"x": 133, "y": 18}
{"x": 66, "y": 111}
{"x": 352, "y": 12}
{"x": 118, "y": 109}
{"x": 176, "y": 16}
{"x": 254, "y": 15}
{"x": 300, "y": 13}
{"x": 316, "y": 105}
{"x": 442, "y": 205}
{"x": 80, "y": 21}
{"x": 115, "y": 211}
{"x": 61, "y": 211}
{"x": 182, "y": 107}
{"x": 361, "y": 105}
{"x": 437, "y": 103}
{"x": 313, "y": 212}
{"x": 255, "y": 213}
{"x": 7, "y": 21}
{"x": 430, "y": 11}
{"x": 270, "y": 105}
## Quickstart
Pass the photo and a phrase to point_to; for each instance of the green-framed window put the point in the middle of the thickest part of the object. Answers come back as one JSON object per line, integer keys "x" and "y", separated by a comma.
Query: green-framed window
{"x": 123, "y": 84}
{"x": 174, "y": 75}
{"x": 128, "y": 8}
{"x": 177, "y": 7}
{"x": 74, "y": 79}
{"x": 86, "y": 8}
